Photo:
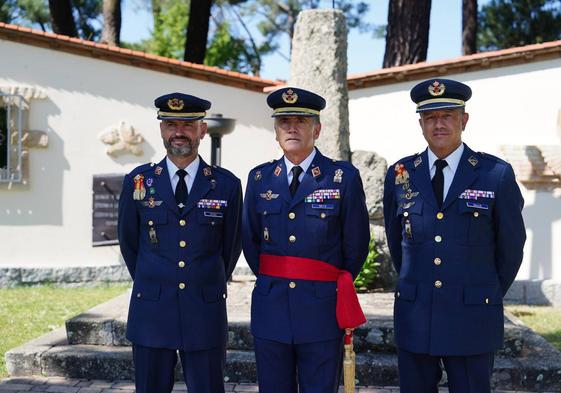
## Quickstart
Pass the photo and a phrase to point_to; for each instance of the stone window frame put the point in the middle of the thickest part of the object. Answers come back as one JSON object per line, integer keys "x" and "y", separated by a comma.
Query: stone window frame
{"x": 22, "y": 139}
{"x": 12, "y": 105}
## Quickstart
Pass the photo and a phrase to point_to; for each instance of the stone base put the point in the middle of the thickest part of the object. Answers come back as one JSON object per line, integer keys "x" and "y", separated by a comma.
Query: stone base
{"x": 535, "y": 292}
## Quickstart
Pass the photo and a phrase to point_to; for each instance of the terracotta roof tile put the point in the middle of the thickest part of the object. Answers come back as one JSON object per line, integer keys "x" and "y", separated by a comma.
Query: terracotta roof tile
{"x": 81, "y": 47}
{"x": 470, "y": 63}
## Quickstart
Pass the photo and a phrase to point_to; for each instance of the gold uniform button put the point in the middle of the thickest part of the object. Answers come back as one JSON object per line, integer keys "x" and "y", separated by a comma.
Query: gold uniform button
{"x": 265, "y": 212}
{"x": 181, "y": 285}
{"x": 138, "y": 295}
{"x": 438, "y": 238}
{"x": 440, "y": 215}
{"x": 182, "y": 243}
{"x": 292, "y": 239}
{"x": 438, "y": 283}
{"x": 476, "y": 214}
{"x": 406, "y": 214}
{"x": 181, "y": 264}
{"x": 398, "y": 294}
{"x": 437, "y": 261}
{"x": 486, "y": 300}
{"x": 292, "y": 215}
{"x": 292, "y": 284}
{"x": 150, "y": 222}
{"x": 182, "y": 223}
{"x": 223, "y": 296}
{"x": 322, "y": 215}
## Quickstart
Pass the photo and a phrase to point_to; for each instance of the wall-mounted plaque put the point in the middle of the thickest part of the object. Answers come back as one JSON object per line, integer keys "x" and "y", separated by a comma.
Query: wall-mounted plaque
{"x": 106, "y": 192}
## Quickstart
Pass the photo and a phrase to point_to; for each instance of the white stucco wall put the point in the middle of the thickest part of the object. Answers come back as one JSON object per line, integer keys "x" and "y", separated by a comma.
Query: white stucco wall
{"x": 515, "y": 105}
{"x": 49, "y": 225}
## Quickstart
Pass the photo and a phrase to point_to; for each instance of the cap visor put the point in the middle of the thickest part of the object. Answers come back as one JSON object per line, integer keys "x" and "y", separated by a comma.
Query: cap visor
{"x": 439, "y": 105}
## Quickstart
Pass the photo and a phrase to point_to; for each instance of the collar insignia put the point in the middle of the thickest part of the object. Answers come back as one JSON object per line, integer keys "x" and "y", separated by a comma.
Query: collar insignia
{"x": 316, "y": 171}
{"x": 418, "y": 161}
{"x": 158, "y": 170}
{"x": 207, "y": 171}
{"x": 473, "y": 161}
{"x": 258, "y": 175}
{"x": 278, "y": 170}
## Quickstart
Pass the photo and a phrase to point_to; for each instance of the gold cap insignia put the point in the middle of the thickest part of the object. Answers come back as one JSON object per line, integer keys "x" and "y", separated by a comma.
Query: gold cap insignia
{"x": 175, "y": 104}
{"x": 436, "y": 89}
{"x": 289, "y": 96}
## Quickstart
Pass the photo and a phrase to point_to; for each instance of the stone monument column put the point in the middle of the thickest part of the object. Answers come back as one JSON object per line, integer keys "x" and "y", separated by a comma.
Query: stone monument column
{"x": 319, "y": 63}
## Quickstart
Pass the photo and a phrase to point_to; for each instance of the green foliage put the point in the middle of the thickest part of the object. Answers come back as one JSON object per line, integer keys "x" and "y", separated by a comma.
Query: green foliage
{"x": 35, "y": 11}
{"x": 28, "y": 312}
{"x": 511, "y": 23}
{"x": 546, "y": 321}
{"x": 88, "y": 18}
{"x": 170, "y": 28}
{"x": 367, "y": 276}
{"x": 7, "y": 10}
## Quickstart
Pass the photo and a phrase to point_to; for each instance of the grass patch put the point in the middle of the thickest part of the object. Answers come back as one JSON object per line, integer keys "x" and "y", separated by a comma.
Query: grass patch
{"x": 544, "y": 320}
{"x": 28, "y": 312}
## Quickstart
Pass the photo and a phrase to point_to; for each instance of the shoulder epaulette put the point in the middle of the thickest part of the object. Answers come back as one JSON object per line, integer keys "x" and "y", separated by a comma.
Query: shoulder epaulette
{"x": 223, "y": 171}
{"x": 490, "y": 157}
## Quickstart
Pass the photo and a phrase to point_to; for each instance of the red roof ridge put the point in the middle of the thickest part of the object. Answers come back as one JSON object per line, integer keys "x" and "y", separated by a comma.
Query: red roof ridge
{"x": 131, "y": 57}
{"x": 461, "y": 64}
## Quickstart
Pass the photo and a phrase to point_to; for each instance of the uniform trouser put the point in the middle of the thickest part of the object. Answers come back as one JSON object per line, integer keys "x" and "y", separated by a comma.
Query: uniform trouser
{"x": 421, "y": 373}
{"x": 305, "y": 368}
{"x": 154, "y": 369}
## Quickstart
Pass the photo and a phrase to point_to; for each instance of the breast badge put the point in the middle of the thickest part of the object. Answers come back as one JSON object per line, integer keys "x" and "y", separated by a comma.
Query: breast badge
{"x": 338, "y": 177}
{"x": 401, "y": 174}
{"x": 268, "y": 195}
{"x": 139, "y": 191}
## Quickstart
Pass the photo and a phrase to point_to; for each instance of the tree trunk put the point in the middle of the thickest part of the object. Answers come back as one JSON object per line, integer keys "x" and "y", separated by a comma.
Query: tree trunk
{"x": 469, "y": 26}
{"x": 111, "y": 34}
{"x": 407, "y": 33}
{"x": 62, "y": 19}
{"x": 197, "y": 31}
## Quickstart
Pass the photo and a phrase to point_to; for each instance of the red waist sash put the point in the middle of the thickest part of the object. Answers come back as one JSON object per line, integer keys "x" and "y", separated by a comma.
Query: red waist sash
{"x": 348, "y": 311}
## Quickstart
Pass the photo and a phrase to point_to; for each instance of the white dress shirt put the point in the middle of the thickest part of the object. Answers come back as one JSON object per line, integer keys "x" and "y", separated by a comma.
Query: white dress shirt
{"x": 453, "y": 160}
{"x": 191, "y": 170}
{"x": 304, "y": 165}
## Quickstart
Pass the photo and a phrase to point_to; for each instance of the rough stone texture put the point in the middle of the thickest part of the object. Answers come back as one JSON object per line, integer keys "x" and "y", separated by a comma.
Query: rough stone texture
{"x": 387, "y": 276}
{"x": 11, "y": 277}
{"x": 535, "y": 292}
{"x": 319, "y": 63}
{"x": 373, "y": 170}
{"x": 527, "y": 362}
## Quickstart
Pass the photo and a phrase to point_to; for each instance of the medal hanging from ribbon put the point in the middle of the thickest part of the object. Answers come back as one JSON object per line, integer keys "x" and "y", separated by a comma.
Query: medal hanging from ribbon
{"x": 139, "y": 191}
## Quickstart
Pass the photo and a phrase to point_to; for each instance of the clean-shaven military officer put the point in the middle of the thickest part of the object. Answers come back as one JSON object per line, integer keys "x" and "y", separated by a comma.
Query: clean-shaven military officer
{"x": 305, "y": 236}
{"x": 179, "y": 232}
{"x": 455, "y": 232}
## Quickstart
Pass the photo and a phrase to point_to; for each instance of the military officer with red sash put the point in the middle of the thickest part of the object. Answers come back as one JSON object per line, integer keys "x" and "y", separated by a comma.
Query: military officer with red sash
{"x": 455, "y": 233}
{"x": 305, "y": 236}
{"x": 179, "y": 233}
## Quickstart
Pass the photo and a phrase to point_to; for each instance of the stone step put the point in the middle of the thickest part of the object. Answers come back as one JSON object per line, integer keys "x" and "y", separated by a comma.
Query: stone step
{"x": 105, "y": 324}
{"x": 51, "y": 356}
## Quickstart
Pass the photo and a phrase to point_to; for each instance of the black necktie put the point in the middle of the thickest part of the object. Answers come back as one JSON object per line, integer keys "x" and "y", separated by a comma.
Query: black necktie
{"x": 438, "y": 181}
{"x": 296, "y": 171}
{"x": 181, "y": 189}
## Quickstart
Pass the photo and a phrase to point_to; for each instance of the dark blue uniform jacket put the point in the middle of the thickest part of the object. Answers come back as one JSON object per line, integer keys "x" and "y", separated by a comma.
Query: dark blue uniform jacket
{"x": 455, "y": 263}
{"x": 180, "y": 262}
{"x": 326, "y": 220}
